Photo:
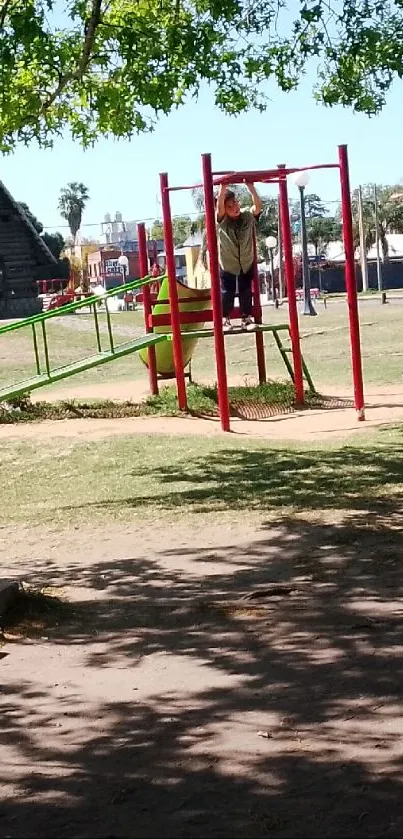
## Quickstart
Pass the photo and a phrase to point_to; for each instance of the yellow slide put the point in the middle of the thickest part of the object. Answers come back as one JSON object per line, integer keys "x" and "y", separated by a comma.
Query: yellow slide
{"x": 200, "y": 301}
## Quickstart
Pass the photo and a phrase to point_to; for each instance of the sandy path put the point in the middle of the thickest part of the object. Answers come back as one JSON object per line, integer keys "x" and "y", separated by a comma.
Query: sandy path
{"x": 385, "y": 406}
{"x": 156, "y": 710}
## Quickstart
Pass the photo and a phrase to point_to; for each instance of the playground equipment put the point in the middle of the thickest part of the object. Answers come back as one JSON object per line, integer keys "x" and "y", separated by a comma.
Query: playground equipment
{"x": 46, "y": 374}
{"x": 194, "y": 309}
{"x": 178, "y": 320}
{"x": 175, "y": 318}
{"x": 190, "y": 300}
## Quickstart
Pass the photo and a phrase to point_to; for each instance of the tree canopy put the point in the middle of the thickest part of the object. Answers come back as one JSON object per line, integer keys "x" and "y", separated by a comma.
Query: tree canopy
{"x": 314, "y": 206}
{"x": 182, "y": 227}
{"x": 321, "y": 230}
{"x": 54, "y": 241}
{"x": 390, "y": 215}
{"x": 105, "y": 67}
{"x": 36, "y": 224}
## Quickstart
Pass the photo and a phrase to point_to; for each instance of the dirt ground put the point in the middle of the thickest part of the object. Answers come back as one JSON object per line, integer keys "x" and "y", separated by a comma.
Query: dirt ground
{"x": 220, "y": 681}
{"x": 166, "y": 704}
{"x": 384, "y": 406}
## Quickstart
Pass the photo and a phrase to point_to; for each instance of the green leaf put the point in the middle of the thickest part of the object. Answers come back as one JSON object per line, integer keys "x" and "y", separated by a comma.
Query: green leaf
{"x": 113, "y": 66}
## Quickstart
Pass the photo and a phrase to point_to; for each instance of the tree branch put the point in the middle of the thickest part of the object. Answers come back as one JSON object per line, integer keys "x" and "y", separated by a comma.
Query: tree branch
{"x": 90, "y": 32}
{"x": 90, "y": 29}
{"x": 3, "y": 12}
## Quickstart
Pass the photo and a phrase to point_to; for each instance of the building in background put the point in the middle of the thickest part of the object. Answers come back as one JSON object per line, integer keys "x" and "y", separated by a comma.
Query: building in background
{"x": 180, "y": 264}
{"x": 122, "y": 234}
{"x": 104, "y": 267}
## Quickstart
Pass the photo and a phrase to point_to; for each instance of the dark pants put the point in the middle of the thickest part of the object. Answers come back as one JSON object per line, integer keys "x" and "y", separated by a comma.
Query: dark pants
{"x": 228, "y": 289}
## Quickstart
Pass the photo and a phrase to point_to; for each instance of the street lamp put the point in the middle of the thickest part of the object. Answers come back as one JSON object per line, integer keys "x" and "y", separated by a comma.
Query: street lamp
{"x": 271, "y": 244}
{"x": 301, "y": 181}
{"x": 123, "y": 263}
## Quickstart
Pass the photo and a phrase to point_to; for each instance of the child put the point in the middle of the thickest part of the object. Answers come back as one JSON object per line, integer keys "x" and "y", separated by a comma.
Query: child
{"x": 235, "y": 248}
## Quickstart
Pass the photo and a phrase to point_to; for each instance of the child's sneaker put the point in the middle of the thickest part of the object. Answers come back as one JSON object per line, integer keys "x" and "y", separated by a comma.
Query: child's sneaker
{"x": 248, "y": 323}
{"x": 227, "y": 325}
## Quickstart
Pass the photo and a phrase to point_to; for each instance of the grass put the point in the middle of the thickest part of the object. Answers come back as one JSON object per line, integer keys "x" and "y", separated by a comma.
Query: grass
{"x": 71, "y": 482}
{"x": 325, "y": 344}
{"x": 70, "y": 338}
{"x": 160, "y": 478}
{"x": 247, "y": 401}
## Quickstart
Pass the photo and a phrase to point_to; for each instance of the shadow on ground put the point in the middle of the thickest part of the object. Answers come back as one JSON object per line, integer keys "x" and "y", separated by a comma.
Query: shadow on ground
{"x": 351, "y": 478}
{"x": 275, "y": 712}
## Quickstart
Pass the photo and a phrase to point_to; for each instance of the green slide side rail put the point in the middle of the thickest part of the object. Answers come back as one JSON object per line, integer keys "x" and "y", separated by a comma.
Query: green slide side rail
{"x": 87, "y": 302}
{"x": 49, "y": 375}
{"x": 79, "y": 366}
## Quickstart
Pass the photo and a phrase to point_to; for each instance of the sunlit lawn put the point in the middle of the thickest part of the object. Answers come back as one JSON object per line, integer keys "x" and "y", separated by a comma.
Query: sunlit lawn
{"x": 158, "y": 476}
{"x": 325, "y": 344}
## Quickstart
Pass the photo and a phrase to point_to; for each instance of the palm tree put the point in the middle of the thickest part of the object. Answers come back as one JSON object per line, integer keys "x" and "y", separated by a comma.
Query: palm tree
{"x": 72, "y": 201}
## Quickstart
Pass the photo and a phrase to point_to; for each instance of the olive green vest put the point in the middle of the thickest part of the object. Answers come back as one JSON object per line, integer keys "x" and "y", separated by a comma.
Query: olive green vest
{"x": 235, "y": 242}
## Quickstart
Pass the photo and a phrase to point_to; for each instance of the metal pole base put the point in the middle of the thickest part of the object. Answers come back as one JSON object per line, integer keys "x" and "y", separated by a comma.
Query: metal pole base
{"x": 308, "y": 308}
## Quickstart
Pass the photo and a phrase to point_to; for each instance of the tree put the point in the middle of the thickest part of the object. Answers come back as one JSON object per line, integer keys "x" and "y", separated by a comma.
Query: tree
{"x": 266, "y": 226}
{"x": 182, "y": 227}
{"x": 157, "y": 230}
{"x": 113, "y": 66}
{"x": 72, "y": 201}
{"x": 55, "y": 243}
{"x": 36, "y": 224}
{"x": 390, "y": 215}
{"x": 314, "y": 207}
{"x": 321, "y": 231}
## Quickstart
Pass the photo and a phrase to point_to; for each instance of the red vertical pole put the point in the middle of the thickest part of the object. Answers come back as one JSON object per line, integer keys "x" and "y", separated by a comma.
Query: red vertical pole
{"x": 351, "y": 285}
{"x": 143, "y": 256}
{"x": 173, "y": 293}
{"x": 290, "y": 283}
{"x": 222, "y": 385}
{"x": 257, "y": 309}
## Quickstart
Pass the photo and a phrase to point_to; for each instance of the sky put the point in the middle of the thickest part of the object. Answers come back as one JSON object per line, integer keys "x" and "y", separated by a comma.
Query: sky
{"x": 123, "y": 175}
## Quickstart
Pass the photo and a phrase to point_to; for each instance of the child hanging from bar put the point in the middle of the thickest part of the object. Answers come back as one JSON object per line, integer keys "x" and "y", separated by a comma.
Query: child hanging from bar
{"x": 235, "y": 233}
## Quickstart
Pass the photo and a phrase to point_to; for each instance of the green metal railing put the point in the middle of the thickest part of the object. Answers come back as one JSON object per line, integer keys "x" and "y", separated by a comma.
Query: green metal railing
{"x": 49, "y": 375}
{"x": 91, "y": 300}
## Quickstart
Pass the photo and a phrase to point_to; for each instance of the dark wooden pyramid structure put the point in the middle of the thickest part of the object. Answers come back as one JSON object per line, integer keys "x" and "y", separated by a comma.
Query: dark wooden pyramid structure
{"x": 24, "y": 259}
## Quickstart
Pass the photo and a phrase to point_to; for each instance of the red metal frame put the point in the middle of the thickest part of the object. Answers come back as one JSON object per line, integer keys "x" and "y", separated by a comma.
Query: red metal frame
{"x": 144, "y": 271}
{"x": 260, "y": 175}
{"x": 176, "y": 318}
{"x": 351, "y": 285}
{"x": 165, "y": 301}
{"x": 205, "y": 315}
{"x": 290, "y": 284}
{"x": 173, "y": 293}
{"x": 257, "y": 312}
{"x": 209, "y": 206}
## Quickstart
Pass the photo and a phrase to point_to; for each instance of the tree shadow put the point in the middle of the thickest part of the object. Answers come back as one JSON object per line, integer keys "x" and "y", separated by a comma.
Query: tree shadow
{"x": 352, "y": 478}
{"x": 272, "y": 715}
